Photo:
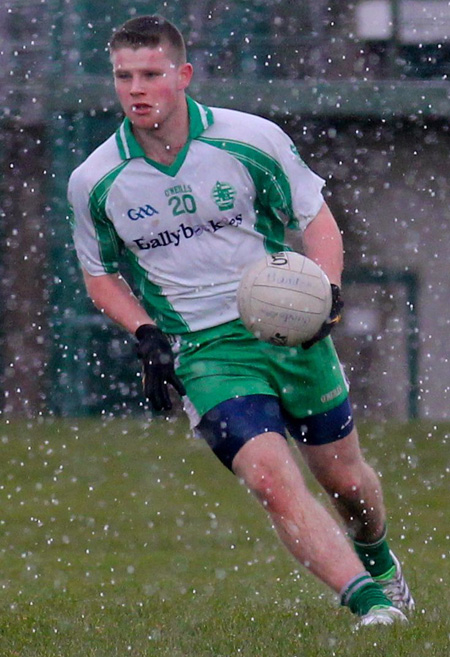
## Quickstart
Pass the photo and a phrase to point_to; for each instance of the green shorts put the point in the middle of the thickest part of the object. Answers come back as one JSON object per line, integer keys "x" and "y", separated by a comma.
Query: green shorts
{"x": 227, "y": 361}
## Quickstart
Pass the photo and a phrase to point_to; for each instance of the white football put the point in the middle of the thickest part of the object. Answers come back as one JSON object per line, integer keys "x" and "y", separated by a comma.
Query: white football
{"x": 284, "y": 298}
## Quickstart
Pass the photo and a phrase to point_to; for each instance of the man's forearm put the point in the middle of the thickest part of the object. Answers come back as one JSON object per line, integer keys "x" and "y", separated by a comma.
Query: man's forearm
{"x": 322, "y": 242}
{"x": 112, "y": 295}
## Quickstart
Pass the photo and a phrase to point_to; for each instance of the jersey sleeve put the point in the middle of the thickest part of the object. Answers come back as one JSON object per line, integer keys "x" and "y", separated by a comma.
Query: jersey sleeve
{"x": 96, "y": 241}
{"x": 294, "y": 189}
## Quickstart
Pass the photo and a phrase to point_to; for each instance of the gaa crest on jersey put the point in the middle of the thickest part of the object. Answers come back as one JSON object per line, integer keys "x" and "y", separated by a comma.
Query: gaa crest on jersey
{"x": 143, "y": 211}
{"x": 223, "y": 195}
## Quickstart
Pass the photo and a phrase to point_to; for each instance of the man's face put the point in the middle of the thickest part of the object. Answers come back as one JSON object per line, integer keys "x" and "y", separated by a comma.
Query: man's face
{"x": 149, "y": 84}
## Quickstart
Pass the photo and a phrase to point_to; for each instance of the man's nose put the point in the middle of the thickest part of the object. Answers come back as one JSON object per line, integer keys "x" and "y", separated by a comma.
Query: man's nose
{"x": 136, "y": 86}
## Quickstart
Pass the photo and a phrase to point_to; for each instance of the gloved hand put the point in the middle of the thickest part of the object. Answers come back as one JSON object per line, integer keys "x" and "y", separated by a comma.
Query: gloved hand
{"x": 154, "y": 350}
{"x": 335, "y": 316}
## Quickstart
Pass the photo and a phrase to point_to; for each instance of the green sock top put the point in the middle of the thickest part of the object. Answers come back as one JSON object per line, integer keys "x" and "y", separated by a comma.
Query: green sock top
{"x": 376, "y": 557}
{"x": 363, "y": 594}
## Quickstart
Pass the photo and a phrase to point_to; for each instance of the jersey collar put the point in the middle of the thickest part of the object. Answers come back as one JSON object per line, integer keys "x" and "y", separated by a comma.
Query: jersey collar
{"x": 200, "y": 118}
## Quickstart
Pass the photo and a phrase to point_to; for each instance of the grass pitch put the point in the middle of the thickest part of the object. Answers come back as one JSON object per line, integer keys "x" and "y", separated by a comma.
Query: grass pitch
{"x": 120, "y": 537}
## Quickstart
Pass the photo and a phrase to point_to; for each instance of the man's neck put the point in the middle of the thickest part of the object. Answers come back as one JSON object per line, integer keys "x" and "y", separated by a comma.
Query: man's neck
{"x": 163, "y": 144}
{"x": 159, "y": 150}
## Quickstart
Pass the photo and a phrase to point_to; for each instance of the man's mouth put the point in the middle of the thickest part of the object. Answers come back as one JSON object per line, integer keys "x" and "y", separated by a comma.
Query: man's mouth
{"x": 141, "y": 108}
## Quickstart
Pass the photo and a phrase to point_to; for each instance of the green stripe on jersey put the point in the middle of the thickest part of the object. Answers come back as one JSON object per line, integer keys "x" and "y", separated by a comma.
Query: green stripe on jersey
{"x": 110, "y": 245}
{"x": 156, "y": 304}
{"x": 269, "y": 224}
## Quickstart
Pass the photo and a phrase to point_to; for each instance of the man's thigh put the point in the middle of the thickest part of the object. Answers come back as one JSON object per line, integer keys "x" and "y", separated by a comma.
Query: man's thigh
{"x": 335, "y": 459}
{"x": 230, "y": 425}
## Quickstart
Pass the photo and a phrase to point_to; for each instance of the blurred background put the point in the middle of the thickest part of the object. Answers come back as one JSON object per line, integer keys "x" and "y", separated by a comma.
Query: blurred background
{"x": 362, "y": 88}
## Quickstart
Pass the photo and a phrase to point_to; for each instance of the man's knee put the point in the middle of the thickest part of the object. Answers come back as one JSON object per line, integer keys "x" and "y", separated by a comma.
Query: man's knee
{"x": 352, "y": 484}
{"x": 344, "y": 485}
{"x": 262, "y": 481}
{"x": 266, "y": 466}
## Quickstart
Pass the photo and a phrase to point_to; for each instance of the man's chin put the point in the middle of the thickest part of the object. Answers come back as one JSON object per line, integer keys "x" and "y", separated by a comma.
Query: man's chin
{"x": 144, "y": 123}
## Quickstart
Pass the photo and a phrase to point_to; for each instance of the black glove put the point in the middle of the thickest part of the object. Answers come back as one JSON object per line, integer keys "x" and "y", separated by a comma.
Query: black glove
{"x": 158, "y": 367}
{"x": 335, "y": 316}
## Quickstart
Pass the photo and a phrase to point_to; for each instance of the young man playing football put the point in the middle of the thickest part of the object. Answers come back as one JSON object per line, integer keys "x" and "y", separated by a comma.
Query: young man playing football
{"x": 190, "y": 195}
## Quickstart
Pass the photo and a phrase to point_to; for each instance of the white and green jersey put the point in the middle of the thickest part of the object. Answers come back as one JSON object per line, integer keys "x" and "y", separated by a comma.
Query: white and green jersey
{"x": 189, "y": 229}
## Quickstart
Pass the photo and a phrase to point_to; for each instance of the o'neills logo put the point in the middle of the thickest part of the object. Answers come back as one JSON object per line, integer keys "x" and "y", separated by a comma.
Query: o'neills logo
{"x": 184, "y": 232}
{"x": 331, "y": 395}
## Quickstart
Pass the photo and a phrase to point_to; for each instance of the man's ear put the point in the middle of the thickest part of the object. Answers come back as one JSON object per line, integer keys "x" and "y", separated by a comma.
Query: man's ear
{"x": 185, "y": 73}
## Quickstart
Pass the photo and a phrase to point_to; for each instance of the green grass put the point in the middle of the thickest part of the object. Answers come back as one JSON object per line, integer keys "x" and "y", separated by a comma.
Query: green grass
{"x": 121, "y": 538}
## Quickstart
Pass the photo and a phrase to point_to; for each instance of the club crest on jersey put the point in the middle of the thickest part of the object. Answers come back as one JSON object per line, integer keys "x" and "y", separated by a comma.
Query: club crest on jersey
{"x": 223, "y": 195}
{"x": 140, "y": 213}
